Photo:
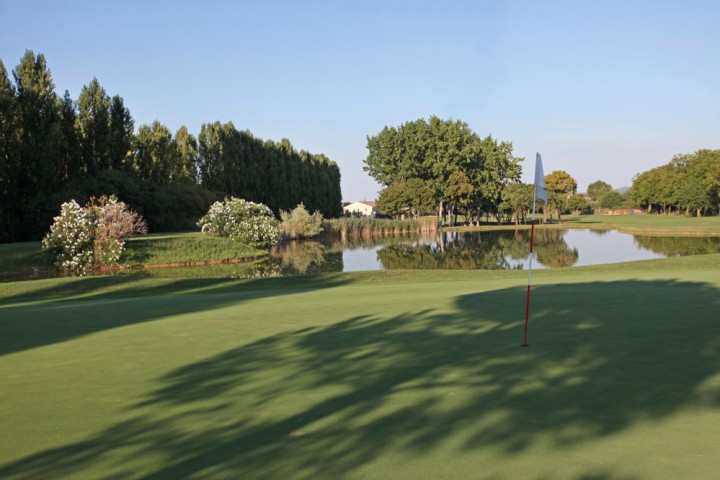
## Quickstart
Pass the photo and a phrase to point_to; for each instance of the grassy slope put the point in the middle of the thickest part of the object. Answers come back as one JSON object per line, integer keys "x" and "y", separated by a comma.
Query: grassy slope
{"x": 651, "y": 224}
{"x": 183, "y": 248}
{"x": 644, "y": 224}
{"x": 21, "y": 256}
{"x": 368, "y": 375}
{"x": 149, "y": 250}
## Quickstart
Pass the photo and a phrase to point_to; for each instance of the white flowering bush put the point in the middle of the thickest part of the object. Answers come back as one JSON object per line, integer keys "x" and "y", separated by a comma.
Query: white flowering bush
{"x": 84, "y": 239}
{"x": 71, "y": 239}
{"x": 246, "y": 222}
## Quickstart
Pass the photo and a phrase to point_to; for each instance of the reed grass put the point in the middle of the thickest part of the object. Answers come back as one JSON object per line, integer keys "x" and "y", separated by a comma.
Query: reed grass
{"x": 365, "y": 227}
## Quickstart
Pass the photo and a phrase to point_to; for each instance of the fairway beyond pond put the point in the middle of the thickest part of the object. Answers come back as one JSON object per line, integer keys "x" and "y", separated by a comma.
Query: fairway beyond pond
{"x": 369, "y": 375}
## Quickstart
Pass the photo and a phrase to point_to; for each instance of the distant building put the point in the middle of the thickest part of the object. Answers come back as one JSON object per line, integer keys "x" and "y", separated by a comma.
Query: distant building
{"x": 364, "y": 208}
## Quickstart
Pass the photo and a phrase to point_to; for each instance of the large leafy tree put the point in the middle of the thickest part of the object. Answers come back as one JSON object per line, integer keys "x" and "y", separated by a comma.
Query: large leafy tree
{"x": 517, "y": 198}
{"x": 93, "y": 124}
{"x": 699, "y": 190}
{"x": 433, "y": 150}
{"x": 612, "y": 199}
{"x": 690, "y": 182}
{"x": 597, "y": 189}
{"x": 458, "y": 193}
{"x": 497, "y": 169}
{"x": 642, "y": 191}
{"x": 656, "y": 187}
{"x": 413, "y": 197}
{"x": 561, "y": 186}
{"x": 578, "y": 203}
{"x": 430, "y": 150}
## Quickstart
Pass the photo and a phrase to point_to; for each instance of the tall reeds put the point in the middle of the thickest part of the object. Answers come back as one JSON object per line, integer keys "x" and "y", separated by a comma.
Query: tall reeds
{"x": 365, "y": 227}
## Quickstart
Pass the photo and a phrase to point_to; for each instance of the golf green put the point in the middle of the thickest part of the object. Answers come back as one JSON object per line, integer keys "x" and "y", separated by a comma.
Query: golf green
{"x": 400, "y": 375}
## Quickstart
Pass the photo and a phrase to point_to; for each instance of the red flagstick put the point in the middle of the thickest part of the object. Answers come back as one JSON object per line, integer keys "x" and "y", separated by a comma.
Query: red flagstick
{"x": 539, "y": 188}
{"x": 527, "y": 300}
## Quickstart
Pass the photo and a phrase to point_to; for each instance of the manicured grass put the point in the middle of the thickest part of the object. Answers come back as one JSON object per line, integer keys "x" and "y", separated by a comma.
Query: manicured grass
{"x": 652, "y": 224}
{"x": 149, "y": 250}
{"x": 371, "y": 375}
{"x": 184, "y": 248}
{"x": 16, "y": 257}
{"x": 644, "y": 224}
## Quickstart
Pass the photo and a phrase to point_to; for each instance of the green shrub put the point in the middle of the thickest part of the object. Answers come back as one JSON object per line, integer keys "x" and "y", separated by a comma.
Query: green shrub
{"x": 299, "y": 223}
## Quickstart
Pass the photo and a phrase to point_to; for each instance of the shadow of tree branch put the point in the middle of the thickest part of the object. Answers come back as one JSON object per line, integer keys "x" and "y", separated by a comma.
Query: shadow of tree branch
{"x": 326, "y": 401}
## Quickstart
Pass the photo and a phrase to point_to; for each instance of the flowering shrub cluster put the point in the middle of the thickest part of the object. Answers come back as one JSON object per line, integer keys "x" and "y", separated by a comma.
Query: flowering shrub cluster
{"x": 87, "y": 238}
{"x": 246, "y": 222}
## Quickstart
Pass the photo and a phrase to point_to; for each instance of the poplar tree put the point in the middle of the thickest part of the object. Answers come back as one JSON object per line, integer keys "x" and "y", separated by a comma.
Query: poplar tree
{"x": 156, "y": 153}
{"x": 35, "y": 166}
{"x": 71, "y": 151}
{"x": 93, "y": 125}
{"x": 8, "y": 146}
{"x": 185, "y": 167}
{"x": 122, "y": 128}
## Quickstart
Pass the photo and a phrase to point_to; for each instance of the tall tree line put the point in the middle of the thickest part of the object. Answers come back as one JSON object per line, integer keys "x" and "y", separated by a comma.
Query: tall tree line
{"x": 689, "y": 184}
{"x": 51, "y": 145}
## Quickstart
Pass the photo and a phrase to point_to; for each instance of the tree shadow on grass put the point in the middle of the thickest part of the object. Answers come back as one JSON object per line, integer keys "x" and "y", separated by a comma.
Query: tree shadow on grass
{"x": 94, "y": 304}
{"x": 326, "y": 402}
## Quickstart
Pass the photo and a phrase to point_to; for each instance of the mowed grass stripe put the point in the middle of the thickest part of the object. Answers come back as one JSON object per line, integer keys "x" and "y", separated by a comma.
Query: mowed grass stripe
{"x": 404, "y": 375}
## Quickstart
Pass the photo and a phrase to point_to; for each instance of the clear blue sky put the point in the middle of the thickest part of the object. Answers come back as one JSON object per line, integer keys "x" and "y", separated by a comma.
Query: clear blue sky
{"x": 602, "y": 89}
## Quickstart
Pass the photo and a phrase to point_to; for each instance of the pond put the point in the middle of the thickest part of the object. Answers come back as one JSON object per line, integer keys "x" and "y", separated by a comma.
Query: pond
{"x": 488, "y": 250}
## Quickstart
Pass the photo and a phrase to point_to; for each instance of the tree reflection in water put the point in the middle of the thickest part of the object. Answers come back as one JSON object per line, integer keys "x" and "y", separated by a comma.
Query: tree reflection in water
{"x": 304, "y": 257}
{"x": 502, "y": 250}
{"x": 552, "y": 251}
{"x": 679, "y": 246}
{"x": 488, "y": 250}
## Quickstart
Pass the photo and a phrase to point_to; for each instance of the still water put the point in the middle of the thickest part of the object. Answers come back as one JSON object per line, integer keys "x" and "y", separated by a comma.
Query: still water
{"x": 488, "y": 250}
{"x": 455, "y": 250}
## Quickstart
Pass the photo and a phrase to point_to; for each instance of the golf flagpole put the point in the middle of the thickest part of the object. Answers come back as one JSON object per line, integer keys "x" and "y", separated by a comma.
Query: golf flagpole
{"x": 539, "y": 192}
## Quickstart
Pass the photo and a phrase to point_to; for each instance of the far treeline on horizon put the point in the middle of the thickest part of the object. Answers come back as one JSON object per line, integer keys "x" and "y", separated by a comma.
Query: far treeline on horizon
{"x": 54, "y": 149}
